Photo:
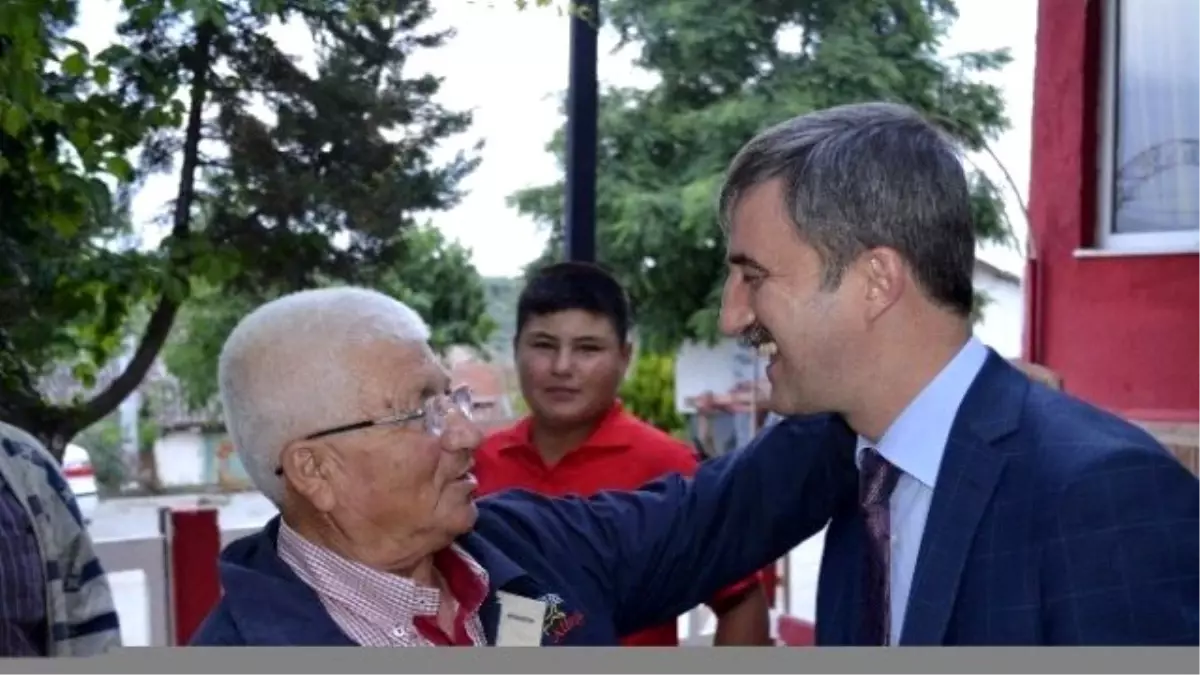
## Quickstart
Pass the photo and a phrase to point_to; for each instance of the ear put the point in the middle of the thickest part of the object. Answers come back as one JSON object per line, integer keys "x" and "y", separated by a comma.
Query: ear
{"x": 307, "y": 466}
{"x": 886, "y": 277}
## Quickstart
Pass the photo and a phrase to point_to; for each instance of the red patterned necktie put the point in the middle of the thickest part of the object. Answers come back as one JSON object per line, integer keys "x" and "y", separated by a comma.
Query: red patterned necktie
{"x": 877, "y": 479}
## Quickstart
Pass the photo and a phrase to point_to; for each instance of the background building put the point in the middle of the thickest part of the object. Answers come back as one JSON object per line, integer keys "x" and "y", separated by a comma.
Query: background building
{"x": 1115, "y": 225}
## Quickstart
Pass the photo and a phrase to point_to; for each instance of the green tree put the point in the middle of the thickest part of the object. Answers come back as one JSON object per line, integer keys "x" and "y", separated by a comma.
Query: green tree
{"x": 323, "y": 191}
{"x": 436, "y": 278}
{"x": 69, "y": 280}
{"x": 439, "y": 281}
{"x": 105, "y": 449}
{"x": 725, "y": 71}
{"x": 649, "y": 391}
{"x": 502, "y": 295}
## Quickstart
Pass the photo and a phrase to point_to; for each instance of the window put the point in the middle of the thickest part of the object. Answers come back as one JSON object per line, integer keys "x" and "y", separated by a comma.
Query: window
{"x": 1150, "y": 178}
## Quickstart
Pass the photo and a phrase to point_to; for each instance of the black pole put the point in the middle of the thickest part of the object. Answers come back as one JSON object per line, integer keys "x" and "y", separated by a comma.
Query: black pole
{"x": 580, "y": 226}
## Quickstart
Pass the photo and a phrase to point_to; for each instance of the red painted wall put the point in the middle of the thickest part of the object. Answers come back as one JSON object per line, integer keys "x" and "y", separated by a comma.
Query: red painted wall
{"x": 1122, "y": 331}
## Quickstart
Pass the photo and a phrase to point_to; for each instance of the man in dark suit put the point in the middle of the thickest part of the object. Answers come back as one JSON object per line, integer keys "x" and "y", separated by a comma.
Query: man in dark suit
{"x": 992, "y": 510}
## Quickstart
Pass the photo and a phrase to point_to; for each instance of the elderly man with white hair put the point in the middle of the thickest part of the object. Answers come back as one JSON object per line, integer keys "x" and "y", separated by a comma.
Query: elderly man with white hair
{"x": 344, "y": 417}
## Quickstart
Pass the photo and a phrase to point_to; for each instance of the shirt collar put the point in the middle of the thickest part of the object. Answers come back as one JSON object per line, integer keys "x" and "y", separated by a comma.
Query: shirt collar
{"x": 379, "y": 597}
{"x": 916, "y": 441}
{"x": 611, "y": 432}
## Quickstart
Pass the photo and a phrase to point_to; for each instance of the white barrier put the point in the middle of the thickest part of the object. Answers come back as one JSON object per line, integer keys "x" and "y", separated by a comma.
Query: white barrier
{"x": 147, "y": 555}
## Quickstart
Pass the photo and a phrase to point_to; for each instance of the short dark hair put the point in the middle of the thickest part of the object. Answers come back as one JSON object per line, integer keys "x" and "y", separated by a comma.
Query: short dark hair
{"x": 561, "y": 287}
{"x": 864, "y": 175}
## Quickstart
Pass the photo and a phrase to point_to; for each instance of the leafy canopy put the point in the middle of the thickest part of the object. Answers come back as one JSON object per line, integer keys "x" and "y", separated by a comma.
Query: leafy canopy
{"x": 726, "y": 70}
{"x": 288, "y": 177}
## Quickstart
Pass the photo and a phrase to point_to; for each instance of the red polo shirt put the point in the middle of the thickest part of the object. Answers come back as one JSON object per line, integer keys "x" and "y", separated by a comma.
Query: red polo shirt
{"x": 623, "y": 453}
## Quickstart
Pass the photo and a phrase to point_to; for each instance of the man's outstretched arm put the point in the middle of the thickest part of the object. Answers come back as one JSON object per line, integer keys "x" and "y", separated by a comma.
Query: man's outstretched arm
{"x": 659, "y": 551}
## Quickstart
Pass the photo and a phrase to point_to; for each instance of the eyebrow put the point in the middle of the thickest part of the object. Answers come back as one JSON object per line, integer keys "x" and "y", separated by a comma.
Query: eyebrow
{"x": 575, "y": 339}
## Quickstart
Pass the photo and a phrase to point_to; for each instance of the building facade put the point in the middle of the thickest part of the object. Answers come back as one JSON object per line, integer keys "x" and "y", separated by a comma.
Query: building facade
{"x": 1111, "y": 286}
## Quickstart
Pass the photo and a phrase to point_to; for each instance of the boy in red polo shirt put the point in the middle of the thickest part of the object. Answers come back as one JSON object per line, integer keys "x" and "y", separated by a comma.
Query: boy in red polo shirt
{"x": 572, "y": 350}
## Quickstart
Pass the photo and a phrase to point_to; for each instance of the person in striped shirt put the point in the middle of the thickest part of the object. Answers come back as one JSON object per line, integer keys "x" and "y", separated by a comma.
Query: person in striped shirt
{"x": 55, "y": 599}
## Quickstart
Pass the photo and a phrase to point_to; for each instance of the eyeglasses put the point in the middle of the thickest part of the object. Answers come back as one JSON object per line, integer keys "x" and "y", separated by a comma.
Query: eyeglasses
{"x": 433, "y": 413}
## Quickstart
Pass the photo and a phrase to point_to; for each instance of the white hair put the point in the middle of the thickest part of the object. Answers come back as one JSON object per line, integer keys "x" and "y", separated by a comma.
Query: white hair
{"x": 283, "y": 370}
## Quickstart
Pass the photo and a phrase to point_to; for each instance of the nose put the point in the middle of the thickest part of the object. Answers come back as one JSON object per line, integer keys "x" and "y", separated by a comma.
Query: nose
{"x": 562, "y": 362}
{"x": 461, "y": 434}
{"x": 736, "y": 315}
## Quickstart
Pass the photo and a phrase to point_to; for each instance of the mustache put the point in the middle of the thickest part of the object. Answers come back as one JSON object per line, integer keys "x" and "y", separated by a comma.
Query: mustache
{"x": 755, "y": 335}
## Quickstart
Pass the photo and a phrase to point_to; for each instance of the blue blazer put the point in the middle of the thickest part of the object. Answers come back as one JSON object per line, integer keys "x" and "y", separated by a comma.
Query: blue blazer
{"x": 1052, "y": 523}
{"x": 609, "y": 565}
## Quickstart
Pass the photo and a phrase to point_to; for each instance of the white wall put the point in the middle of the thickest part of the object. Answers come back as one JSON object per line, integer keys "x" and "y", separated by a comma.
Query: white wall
{"x": 179, "y": 457}
{"x": 1003, "y": 315}
{"x": 717, "y": 369}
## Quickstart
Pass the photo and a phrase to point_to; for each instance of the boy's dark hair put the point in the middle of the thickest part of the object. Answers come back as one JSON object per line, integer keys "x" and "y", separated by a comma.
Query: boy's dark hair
{"x": 574, "y": 285}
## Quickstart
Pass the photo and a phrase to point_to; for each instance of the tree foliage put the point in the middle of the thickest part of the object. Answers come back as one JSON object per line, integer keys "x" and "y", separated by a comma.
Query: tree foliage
{"x": 287, "y": 178}
{"x": 435, "y": 278}
{"x": 502, "y": 296}
{"x": 67, "y": 280}
{"x": 649, "y": 391}
{"x": 726, "y": 70}
{"x": 105, "y": 445}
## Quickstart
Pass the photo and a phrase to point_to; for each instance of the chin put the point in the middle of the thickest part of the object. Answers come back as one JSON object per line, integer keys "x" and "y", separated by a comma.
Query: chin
{"x": 781, "y": 404}
{"x": 463, "y": 519}
{"x": 561, "y": 415}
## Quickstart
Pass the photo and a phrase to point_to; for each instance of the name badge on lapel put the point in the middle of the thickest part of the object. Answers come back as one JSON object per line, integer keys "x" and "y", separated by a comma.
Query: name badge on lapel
{"x": 521, "y": 621}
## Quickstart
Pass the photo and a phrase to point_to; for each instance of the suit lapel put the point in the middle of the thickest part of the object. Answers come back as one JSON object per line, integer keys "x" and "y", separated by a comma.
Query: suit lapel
{"x": 970, "y": 471}
{"x": 969, "y": 475}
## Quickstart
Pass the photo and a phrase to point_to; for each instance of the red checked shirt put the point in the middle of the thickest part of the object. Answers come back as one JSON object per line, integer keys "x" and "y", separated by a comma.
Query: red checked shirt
{"x": 376, "y": 609}
{"x": 623, "y": 453}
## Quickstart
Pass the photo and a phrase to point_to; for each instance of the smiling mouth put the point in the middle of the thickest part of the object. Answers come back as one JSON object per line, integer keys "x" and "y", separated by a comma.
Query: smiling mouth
{"x": 757, "y": 338}
{"x": 768, "y": 350}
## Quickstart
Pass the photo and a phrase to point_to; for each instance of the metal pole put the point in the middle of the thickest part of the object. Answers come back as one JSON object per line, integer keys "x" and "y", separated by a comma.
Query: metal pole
{"x": 580, "y": 227}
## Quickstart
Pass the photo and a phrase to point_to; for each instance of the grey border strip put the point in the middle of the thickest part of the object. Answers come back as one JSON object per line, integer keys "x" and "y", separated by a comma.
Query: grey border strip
{"x": 584, "y": 660}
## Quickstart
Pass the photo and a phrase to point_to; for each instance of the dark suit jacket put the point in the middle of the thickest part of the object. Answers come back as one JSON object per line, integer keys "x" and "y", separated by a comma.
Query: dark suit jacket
{"x": 1052, "y": 523}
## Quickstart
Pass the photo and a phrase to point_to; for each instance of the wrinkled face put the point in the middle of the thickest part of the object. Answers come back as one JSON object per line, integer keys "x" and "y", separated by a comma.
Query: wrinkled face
{"x": 774, "y": 299}
{"x": 395, "y": 482}
{"x": 570, "y": 365}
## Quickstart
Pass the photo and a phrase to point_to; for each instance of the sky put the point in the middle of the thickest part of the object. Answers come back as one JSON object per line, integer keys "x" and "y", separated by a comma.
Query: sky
{"x": 510, "y": 68}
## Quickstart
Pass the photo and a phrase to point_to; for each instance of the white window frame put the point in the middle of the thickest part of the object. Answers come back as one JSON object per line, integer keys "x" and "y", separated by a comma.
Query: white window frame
{"x": 1106, "y": 240}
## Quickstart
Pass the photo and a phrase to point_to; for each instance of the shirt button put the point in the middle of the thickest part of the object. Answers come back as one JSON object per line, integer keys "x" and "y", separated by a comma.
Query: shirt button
{"x": 400, "y": 632}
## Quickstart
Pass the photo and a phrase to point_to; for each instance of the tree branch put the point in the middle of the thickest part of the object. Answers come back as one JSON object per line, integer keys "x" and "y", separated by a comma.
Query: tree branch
{"x": 1030, "y": 244}
{"x": 1012, "y": 184}
{"x": 159, "y": 326}
{"x": 155, "y": 336}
